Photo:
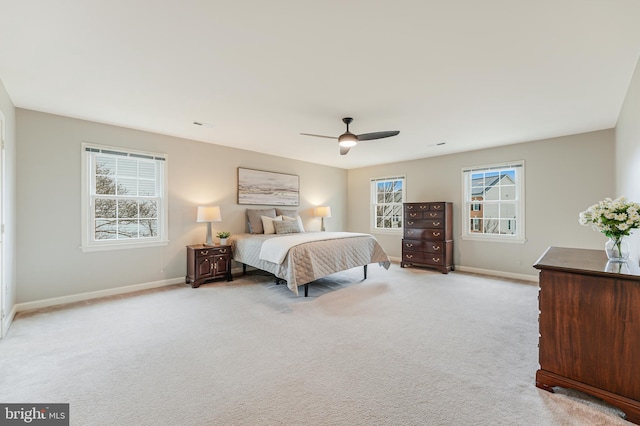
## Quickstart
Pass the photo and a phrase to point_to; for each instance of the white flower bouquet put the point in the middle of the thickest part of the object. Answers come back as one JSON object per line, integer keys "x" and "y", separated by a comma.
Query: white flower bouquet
{"x": 614, "y": 218}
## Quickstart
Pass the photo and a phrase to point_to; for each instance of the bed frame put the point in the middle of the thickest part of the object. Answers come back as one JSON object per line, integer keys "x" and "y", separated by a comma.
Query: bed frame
{"x": 279, "y": 280}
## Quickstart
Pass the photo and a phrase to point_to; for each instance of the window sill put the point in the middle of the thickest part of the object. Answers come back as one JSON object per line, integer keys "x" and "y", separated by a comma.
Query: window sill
{"x": 386, "y": 231}
{"x": 487, "y": 239}
{"x": 122, "y": 246}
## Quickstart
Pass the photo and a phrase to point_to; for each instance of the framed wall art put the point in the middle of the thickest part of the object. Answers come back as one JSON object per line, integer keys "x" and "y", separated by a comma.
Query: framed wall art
{"x": 268, "y": 188}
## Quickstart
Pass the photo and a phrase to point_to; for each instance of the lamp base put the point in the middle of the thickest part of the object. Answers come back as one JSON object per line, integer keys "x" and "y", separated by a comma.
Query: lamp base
{"x": 209, "y": 241}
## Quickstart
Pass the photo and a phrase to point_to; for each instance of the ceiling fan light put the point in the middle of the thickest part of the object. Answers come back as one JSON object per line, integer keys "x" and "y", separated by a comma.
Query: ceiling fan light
{"x": 348, "y": 140}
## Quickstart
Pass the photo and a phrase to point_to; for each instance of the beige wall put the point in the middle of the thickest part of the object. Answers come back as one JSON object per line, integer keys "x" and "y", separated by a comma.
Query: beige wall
{"x": 628, "y": 152}
{"x": 563, "y": 176}
{"x": 8, "y": 269}
{"x": 50, "y": 262}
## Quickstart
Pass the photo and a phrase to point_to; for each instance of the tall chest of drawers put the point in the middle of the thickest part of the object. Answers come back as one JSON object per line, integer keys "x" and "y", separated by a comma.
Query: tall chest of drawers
{"x": 428, "y": 236}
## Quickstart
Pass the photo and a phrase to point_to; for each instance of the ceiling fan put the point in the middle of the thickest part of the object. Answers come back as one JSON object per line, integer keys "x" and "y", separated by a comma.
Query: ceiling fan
{"x": 348, "y": 140}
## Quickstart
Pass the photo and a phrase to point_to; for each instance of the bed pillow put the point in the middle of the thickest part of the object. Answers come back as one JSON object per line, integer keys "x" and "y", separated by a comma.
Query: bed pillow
{"x": 254, "y": 216}
{"x": 297, "y": 219}
{"x": 267, "y": 224}
{"x": 286, "y": 212}
{"x": 286, "y": 227}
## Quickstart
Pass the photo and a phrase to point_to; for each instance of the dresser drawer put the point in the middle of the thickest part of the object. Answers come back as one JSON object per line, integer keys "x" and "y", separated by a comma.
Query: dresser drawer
{"x": 433, "y": 258}
{"x": 425, "y": 258}
{"x": 413, "y": 245}
{"x": 414, "y": 223}
{"x": 424, "y": 224}
{"x": 413, "y": 214}
{"x": 433, "y": 214}
{"x": 412, "y": 256}
{"x": 424, "y": 234}
{"x": 417, "y": 207}
{"x": 434, "y": 247}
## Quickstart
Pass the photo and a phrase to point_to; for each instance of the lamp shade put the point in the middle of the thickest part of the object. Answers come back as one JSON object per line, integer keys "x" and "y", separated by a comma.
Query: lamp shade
{"x": 322, "y": 211}
{"x": 209, "y": 214}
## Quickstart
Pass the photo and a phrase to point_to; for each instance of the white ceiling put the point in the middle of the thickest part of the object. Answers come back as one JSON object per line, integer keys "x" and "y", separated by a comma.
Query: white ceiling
{"x": 469, "y": 73}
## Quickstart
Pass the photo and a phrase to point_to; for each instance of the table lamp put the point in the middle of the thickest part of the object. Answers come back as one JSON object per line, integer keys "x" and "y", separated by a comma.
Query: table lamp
{"x": 209, "y": 214}
{"x": 322, "y": 212}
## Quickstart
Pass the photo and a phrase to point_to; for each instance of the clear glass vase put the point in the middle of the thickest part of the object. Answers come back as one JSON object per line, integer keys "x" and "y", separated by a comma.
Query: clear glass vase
{"x": 617, "y": 249}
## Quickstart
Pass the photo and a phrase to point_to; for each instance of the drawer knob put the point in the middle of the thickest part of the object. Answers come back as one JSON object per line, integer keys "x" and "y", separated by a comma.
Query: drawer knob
{"x": 204, "y": 252}
{"x": 436, "y": 223}
{"x": 423, "y": 207}
{"x": 437, "y": 207}
{"x": 409, "y": 207}
{"x": 409, "y": 245}
{"x": 436, "y": 259}
{"x": 410, "y": 223}
{"x": 436, "y": 247}
{"x": 433, "y": 214}
{"x": 436, "y": 234}
{"x": 413, "y": 214}
{"x": 409, "y": 256}
{"x": 223, "y": 250}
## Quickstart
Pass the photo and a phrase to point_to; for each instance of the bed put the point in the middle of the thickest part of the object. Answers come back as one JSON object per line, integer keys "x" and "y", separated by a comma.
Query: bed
{"x": 301, "y": 258}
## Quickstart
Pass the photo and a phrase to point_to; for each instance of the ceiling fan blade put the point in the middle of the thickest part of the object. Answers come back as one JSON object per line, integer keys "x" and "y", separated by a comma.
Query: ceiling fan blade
{"x": 318, "y": 136}
{"x": 377, "y": 135}
{"x": 344, "y": 150}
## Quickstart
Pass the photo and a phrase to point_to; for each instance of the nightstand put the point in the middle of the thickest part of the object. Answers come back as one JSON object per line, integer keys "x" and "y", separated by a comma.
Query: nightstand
{"x": 206, "y": 263}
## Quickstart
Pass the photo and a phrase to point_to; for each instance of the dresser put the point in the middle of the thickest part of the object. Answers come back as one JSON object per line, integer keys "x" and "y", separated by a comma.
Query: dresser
{"x": 205, "y": 263}
{"x": 428, "y": 235}
{"x": 590, "y": 326}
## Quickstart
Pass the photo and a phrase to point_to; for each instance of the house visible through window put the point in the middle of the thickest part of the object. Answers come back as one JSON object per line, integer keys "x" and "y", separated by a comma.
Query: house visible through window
{"x": 124, "y": 198}
{"x": 494, "y": 202}
{"x": 387, "y": 196}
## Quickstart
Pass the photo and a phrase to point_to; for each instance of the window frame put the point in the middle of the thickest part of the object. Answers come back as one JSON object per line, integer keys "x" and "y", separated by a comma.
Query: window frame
{"x": 374, "y": 204}
{"x": 89, "y": 243}
{"x": 469, "y": 202}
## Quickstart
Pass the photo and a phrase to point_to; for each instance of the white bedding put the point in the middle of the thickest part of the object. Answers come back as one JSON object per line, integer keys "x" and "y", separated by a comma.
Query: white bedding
{"x": 276, "y": 249}
{"x": 309, "y": 261}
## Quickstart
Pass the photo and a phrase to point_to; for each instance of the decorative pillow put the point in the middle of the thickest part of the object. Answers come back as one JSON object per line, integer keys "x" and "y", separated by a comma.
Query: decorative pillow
{"x": 255, "y": 219}
{"x": 297, "y": 219}
{"x": 286, "y": 227}
{"x": 267, "y": 224}
{"x": 286, "y": 212}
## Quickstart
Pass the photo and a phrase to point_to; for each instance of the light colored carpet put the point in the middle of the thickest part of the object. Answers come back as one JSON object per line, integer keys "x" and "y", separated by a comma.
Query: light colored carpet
{"x": 405, "y": 347}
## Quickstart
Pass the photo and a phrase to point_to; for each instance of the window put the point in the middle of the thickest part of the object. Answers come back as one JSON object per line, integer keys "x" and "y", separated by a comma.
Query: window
{"x": 124, "y": 198}
{"x": 494, "y": 202}
{"x": 387, "y": 196}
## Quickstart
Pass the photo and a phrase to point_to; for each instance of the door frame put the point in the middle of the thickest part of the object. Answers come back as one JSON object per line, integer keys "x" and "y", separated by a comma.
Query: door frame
{"x": 3, "y": 295}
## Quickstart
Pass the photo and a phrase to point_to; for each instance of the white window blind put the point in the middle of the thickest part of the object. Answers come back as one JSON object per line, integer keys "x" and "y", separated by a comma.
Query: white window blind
{"x": 124, "y": 198}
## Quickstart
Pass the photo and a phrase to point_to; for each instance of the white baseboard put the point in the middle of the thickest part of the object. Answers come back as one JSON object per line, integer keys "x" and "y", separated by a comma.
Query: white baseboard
{"x": 45, "y": 303}
{"x": 511, "y": 275}
{"x": 8, "y": 320}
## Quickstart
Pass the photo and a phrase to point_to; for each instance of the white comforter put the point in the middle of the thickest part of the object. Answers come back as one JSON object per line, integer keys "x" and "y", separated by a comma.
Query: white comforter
{"x": 307, "y": 262}
{"x": 275, "y": 250}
